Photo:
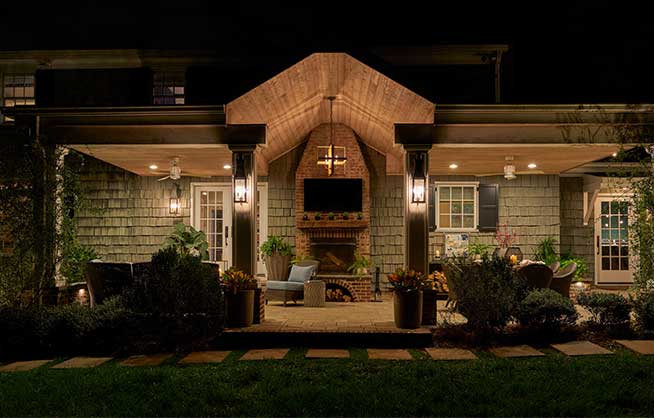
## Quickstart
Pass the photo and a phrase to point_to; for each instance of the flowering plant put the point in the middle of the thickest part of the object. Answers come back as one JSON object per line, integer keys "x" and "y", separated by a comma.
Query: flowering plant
{"x": 234, "y": 280}
{"x": 407, "y": 280}
{"x": 504, "y": 237}
{"x": 439, "y": 281}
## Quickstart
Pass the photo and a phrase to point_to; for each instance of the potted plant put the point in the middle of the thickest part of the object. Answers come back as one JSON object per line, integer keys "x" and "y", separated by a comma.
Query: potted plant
{"x": 317, "y": 216}
{"x": 361, "y": 265}
{"x": 477, "y": 250}
{"x": 346, "y": 216}
{"x": 239, "y": 296}
{"x": 277, "y": 257}
{"x": 360, "y": 216}
{"x": 305, "y": 217}
{"x": 407, "y": 297}
{"x": 186, "y": 240}
{"x": 505, "y": 239}
{"x": 330, "y": 216}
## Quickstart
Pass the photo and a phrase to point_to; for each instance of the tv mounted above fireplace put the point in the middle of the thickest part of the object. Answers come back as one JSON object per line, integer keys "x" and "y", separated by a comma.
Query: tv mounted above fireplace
{"x": 333, "y": 195}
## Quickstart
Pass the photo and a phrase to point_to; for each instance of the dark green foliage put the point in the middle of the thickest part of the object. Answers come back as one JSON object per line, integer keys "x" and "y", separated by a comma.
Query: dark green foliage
{"x": 547, "y": 310}
{"x": 74, "y": 262}
{"x": 545, "y": 251}
{"x": 186, "y": 240}
{"x": 582, "y": 267}
{"x": 486, "y": 292}
{"x": 606, "y": 308}
{"x": 275, "y": 245}
{"x": 643, "y": 305}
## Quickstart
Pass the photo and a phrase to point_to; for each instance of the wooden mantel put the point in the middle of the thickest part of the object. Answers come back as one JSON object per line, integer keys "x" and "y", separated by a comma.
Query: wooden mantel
{"x": 332, "y": 224}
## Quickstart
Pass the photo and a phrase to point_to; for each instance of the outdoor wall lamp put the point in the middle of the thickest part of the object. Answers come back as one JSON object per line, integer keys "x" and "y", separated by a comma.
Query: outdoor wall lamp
{"x": 174, "y": 201}
{"x": 419, "y": 180}
{"x": 240, "y": 181}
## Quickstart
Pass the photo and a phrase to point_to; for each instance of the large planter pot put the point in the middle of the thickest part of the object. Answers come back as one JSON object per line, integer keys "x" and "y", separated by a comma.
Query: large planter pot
{"x": 429, "y": 310}
{"x": 240, "y": 308}
{"x": 407, "y": 307}
{"x": 277, "y": 267}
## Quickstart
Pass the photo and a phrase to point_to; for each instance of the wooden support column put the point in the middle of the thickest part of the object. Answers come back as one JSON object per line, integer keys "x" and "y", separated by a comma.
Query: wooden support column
{"x": 244, "y": 217}
{"x": 416, "y": 215}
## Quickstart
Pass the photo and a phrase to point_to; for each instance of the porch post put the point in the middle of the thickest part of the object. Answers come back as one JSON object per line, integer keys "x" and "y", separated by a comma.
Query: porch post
{"x": 244, "y": 218}
{"x": 416, "y": 203}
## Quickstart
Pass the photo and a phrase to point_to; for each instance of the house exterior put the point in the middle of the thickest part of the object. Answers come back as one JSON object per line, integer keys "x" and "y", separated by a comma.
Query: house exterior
{"x": 135, "y": 114}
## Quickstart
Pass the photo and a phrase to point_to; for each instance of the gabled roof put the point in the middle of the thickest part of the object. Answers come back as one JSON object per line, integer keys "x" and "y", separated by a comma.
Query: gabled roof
{"x": 294, "y": 102}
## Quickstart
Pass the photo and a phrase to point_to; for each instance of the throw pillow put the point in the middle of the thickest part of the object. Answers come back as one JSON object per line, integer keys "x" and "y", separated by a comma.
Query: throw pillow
{"x": 300, "y": 274}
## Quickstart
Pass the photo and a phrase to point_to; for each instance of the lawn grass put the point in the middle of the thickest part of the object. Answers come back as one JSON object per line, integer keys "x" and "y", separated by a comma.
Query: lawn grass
{"x": 554, "y": 385}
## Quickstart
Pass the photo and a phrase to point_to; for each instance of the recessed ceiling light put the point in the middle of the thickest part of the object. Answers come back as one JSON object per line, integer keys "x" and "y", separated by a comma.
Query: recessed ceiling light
{"x": 153, "y": 167}
{"x": 532, "y": 165}
{"x": 615, "y": 154}
{"x": 454, "y": 165}
{"x": 227, "y": 166}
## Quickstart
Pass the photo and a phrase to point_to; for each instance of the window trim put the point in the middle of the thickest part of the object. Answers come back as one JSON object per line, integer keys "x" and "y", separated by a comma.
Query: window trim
{"x": 435, "y": 190}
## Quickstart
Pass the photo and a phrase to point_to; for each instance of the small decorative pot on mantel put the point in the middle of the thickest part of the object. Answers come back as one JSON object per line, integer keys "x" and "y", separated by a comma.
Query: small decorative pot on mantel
{"x": 408, "y": 297}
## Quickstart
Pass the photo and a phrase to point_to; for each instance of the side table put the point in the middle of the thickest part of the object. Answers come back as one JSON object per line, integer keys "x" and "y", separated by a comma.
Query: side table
{"x": 314, "y": 293}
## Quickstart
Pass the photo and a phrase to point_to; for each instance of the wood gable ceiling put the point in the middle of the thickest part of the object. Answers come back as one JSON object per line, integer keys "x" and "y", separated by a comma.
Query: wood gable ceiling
{"x": 294, "y": 102}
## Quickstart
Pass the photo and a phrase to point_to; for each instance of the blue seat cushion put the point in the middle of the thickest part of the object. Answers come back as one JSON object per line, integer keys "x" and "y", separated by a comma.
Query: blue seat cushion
{"x": 300, "y": 274}
{"x": 279, "y": 285}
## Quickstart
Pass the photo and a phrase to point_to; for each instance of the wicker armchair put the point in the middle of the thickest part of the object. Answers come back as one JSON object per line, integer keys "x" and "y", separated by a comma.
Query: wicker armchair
{"x": 538, "y": 276}
{"x": 289, "y": 290}
{"x": 563, "y": 278}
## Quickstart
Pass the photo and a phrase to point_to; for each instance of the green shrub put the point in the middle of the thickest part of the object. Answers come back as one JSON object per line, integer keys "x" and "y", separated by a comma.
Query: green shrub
{"x": 547, "y": 310}
{"x": 74, "y": 263}
{"x": 582, "y": 267}
{"x": 606, "y": 308}
{"x": 486, "y": 292}
{"x": 545, "y": 251}
{"x": 644, "y": 311}
{"x": 275, "y": 245}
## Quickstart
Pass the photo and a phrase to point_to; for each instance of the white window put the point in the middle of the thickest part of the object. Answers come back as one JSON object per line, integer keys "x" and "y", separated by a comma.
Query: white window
{"x": 168, "y": 89}
{"x": 457, "y": 206}
{"x": 18, "y": 90}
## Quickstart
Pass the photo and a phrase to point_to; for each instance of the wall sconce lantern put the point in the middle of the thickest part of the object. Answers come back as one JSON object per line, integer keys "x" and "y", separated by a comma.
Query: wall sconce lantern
{"x": 240, "y": 180}
{"x": 174, "y": 205}
{"x": 419, "y": 180}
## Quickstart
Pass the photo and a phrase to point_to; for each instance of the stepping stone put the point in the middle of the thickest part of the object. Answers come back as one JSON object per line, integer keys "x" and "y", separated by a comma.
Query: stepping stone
{"x": 581, "y": 348}
{"x": 516, "y": 351}
{"x": 450, "y": 354}
{"x": 205, "y": 357}
{"x": 265, "y": 354}
{"x": 82, "y": 362}
{"x": 388, "y": 354}
{"x": 327, "y": 353}
{"x": 146, "y": 360}
{"x": 23, "y": 366}
{"x": 645, "y": 347}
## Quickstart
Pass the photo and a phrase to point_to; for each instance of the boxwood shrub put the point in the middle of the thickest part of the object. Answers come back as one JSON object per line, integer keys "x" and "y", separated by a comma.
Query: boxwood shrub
{"x": 643, "y": 305}
{"x": 606, "y": 308}
{"x": 546, "y": 310}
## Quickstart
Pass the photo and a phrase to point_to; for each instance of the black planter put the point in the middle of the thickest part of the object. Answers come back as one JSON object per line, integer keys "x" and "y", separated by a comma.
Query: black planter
{"x": 429, "y": 311}
{"x": 240, "y": 308}
{"x": 407, "y": 307}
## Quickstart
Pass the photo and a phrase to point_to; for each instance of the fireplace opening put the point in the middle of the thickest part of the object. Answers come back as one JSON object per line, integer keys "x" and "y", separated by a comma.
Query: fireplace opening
{"x": 335, "y": 254}
{"x": 337, "y": 293}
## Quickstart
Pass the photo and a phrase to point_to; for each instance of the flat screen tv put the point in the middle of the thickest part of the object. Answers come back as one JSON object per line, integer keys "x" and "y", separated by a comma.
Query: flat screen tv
{"x": 333, "y": 195}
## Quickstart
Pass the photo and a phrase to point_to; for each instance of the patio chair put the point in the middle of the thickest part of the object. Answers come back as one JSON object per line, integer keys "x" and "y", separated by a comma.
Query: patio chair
{"x": 554, "y": 266}
{"x": 293, "y": 288}
{"x": 563, "y": 278}
{"x": 537, "y": 276}
{"x": 108, "y": 279}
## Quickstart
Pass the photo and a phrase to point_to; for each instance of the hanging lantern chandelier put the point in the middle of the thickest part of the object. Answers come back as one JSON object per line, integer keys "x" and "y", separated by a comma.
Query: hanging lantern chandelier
{"x": 331, "y": 156}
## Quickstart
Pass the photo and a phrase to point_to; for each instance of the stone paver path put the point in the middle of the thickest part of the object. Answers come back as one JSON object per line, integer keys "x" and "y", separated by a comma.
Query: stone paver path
{"x": 450, "y": 354}
{"x": 516, "y": 351}
{"x": 23, "y": 366}
{"x": 149, "y": 360}
{"x": 205, "y": 357}
{"x": 327, "y": 353}
{"x": 581, "y": 348}
{"x": 82, "y": 362}
{"x": 388, "y": 354}
{"x": 265, "y": 354}
{"x": 645, "y": 347}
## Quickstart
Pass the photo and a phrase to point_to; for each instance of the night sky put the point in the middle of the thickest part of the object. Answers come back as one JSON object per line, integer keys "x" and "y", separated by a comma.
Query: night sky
{"x": 583, "y": 51}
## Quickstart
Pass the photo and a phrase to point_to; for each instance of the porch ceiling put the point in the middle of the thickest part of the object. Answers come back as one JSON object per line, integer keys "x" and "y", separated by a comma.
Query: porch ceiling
{"x": 480, "y": 160}
{"x": 194, "y": 160}
{"x": 294, "y": 102}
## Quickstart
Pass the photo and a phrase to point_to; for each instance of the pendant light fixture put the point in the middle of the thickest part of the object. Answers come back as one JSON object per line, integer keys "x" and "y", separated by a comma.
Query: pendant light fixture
{"x": 331, "y": 156}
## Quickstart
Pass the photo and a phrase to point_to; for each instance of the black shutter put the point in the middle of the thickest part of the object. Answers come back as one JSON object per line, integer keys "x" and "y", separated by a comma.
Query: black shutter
{"x": 432, "y": 207}
{"x": 488, "y": 207}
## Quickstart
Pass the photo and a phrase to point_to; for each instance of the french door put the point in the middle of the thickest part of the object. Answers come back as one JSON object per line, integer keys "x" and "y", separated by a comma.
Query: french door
{"x": 212, "y": 214}
{"x": 613, "y": 257}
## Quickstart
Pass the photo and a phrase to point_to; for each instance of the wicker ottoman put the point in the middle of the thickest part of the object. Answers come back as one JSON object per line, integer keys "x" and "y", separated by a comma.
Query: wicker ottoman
{"x": 314, "y": 293}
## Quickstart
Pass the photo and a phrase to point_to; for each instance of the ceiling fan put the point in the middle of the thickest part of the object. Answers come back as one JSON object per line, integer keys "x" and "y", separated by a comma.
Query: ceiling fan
{"x": 510, "y": 172}
{"x": 175, "y": 172}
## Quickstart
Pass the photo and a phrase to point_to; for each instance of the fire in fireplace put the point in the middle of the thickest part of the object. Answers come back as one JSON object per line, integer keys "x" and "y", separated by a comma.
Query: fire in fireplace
{"x": 335, "y": 254}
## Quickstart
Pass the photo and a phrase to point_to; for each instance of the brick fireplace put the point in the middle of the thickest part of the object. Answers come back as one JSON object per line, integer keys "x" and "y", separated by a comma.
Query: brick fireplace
{"x": 334, "y": 241}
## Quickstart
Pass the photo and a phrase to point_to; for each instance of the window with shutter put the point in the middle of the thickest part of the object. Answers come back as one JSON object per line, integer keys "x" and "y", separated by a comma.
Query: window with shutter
{"x": 455, "y": 206}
